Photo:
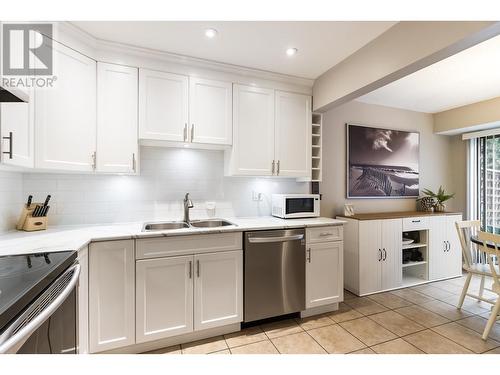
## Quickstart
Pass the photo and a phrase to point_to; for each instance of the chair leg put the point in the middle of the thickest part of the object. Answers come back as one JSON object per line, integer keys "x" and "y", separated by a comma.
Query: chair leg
{"x": 492, "y": 319}
{"x": 481, "y": 286}
{"x": 464, "y": 290}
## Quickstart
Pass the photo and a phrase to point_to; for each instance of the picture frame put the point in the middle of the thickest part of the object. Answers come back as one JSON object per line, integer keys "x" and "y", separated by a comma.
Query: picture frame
{"x": 381, "y": 162}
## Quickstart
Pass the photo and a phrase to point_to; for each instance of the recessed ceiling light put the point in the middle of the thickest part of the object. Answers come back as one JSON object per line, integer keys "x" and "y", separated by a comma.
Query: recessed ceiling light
{"x": 291, "y": 51}
{"x": 210, "y": 33}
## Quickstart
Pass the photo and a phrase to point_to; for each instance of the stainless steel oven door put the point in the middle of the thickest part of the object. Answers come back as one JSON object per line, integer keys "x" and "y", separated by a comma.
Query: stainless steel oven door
{"x": 48, "y": 325}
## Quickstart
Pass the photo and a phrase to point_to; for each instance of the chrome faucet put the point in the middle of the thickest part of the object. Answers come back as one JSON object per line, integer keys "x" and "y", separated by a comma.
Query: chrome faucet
{"x": 187, "y": 205}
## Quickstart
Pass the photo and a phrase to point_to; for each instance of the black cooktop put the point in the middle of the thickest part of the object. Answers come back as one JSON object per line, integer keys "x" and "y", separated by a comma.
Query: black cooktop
{"x": 24, "y": 277}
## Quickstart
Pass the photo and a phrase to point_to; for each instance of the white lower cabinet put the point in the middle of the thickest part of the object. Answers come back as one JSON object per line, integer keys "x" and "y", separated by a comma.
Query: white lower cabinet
{"x": 445, "y": 258}
{"x": 111, "y": 295}
{"x": 164, "y": 304}
{"x": 218, "y": 286}
{"x": 380, "y": 255}
{"x": 182, "y": 294}
{"x": 324, "y": 274}
{"x": 373, "y": 256}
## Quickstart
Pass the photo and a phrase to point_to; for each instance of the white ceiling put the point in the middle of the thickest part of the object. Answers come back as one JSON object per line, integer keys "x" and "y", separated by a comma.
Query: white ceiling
{"x": 468, "y": 77}
{"x": 258, "y": 44}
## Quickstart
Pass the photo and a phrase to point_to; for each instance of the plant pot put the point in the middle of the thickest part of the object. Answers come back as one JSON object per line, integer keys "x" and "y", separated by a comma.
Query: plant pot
{"x": 439, "y": 207}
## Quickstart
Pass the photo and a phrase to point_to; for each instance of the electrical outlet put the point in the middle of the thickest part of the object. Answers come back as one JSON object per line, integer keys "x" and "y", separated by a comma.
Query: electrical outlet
{"x": 256, "y": 196}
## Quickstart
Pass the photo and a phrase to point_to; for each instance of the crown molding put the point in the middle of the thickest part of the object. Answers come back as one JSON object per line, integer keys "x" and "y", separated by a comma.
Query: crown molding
{"x": 119, "y": 48}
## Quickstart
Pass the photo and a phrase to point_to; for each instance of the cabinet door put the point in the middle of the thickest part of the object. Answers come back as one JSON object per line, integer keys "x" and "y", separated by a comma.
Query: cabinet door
{"x": 324, "y": 274}
{"x": 391, "y": 253}
{"x": 454, "y": 253}
{"x": 65, "y": 115}
{"x": 163, "y": 106}
{"x": 253, "y": 127}
{"x": 117, "y": 143}
{"x": 111, "y": 295}
{"x": 218, "y": 289}
{"x": 370, "y": 247}
{"x": 164, "y": 290}
{"x": 438, "y": 268}
{"x": 18, "y": 119}
{"x": 210, "y": 111}
{"x": 293, "y": 134}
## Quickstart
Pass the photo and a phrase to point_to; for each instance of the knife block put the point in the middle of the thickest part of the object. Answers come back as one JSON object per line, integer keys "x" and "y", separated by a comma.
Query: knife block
{"x": 29, "y": 223}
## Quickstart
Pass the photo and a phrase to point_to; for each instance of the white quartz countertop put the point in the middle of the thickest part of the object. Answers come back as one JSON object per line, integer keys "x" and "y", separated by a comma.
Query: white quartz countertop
{"x": 76, "y": 237}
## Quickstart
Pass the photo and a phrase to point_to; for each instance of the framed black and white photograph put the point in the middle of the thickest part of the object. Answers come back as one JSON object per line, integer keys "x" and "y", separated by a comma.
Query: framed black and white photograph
{"x": 382, "y": 163}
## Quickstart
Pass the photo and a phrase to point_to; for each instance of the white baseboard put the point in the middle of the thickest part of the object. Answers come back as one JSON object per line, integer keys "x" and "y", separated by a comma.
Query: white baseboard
{"x": 319, "y": 310}
{"x": 182, "y": 339}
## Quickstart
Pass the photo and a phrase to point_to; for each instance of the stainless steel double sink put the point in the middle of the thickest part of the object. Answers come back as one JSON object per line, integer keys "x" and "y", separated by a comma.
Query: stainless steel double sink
{"x": 171, "y": 225}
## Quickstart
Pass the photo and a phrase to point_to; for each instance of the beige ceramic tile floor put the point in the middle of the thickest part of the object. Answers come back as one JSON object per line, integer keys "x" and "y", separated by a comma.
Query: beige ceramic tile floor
{"x": 417, "y": 320}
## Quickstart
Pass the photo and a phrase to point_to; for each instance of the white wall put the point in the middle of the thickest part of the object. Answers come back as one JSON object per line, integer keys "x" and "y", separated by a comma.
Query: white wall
{"x": 11, "y": 199}
{"x": 442, "y": 158}
{"x": 157, "y": 194}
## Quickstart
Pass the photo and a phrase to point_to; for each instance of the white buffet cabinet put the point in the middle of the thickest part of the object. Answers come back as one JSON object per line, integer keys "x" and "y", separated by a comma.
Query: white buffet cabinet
{"x": 373, "y": 258}
{"x": 147, "y": 293}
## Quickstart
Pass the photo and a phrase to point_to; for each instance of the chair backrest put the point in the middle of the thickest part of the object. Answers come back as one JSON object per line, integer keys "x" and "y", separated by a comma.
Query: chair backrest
{"x": 493, "y": 253}
{"x": 465, "y": 230}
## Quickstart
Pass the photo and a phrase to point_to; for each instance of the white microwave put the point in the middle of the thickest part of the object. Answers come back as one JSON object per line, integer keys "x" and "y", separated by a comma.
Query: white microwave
{"x": 289, "y": 206}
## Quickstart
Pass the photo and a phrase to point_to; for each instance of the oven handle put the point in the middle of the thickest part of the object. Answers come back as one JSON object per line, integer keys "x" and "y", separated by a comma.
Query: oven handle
{"x": 10, "y": 343}
{"x": 275, "y": 239}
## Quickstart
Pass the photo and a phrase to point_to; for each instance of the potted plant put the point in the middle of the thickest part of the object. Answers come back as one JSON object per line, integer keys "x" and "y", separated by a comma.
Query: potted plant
{"x": 440, "y": 198}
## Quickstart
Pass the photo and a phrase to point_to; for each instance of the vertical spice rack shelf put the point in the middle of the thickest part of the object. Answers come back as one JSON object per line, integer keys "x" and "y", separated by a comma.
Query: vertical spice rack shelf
{"x": 316, "y": 149}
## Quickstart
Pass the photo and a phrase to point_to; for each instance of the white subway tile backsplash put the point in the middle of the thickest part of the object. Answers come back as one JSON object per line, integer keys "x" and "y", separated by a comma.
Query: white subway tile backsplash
{"x": 156, "y": 194}
{"x": 11, "y": 199}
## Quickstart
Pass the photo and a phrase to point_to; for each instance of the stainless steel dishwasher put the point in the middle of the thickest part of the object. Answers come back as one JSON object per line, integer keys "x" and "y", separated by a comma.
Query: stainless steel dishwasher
{"x": 274, "y": 273}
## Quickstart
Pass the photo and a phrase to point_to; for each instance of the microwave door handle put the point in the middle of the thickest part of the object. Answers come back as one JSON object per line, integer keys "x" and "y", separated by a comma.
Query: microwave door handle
{"x": 11, "y": 342}
{"x": 275, "y": 239}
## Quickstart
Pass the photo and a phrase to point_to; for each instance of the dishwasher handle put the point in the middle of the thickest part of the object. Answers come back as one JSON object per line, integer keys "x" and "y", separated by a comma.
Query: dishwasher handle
{"x": 296, "y": 237}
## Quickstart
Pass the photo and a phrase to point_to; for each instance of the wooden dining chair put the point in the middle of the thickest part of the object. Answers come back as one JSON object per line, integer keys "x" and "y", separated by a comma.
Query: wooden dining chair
{"x": 493, "y": 254}
{"x": 473, "y": 261}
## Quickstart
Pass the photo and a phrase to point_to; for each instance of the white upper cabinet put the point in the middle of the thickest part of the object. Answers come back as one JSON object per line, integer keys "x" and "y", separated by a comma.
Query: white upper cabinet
{"x": 253, "y": 132}
{"x": 117, "y": 142}
{"x": 65, "y": 115}
{"x": 293, "y": 134}
{"x": 17, "y": 132}
{"x": 163, "y": 106}
{"x": 210, "y": 111}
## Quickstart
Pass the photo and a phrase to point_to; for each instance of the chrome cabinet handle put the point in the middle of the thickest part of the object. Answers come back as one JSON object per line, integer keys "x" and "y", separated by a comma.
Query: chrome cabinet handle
{"x": 415, "y": 221}
{"x": 278, "y": 168}
{"x": 197, "y": 268}
{"x": 379, "y": 255}
{"x": 272, "y": 168}
{"x": 309, "y": 257}
{"x": 192, "y": 132}
{"x": 445, "y": 246}
{"x": 448, "y": 245}
{"x": 94, "y": 160}
{"x": 385, "y": 254}
{"x": 326, "y": 234}
{"x": 11, "y": 143}
{"x": 190, "y": 269}
{"x": 185, "y": 131}
{"x": 133, "y": 162}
